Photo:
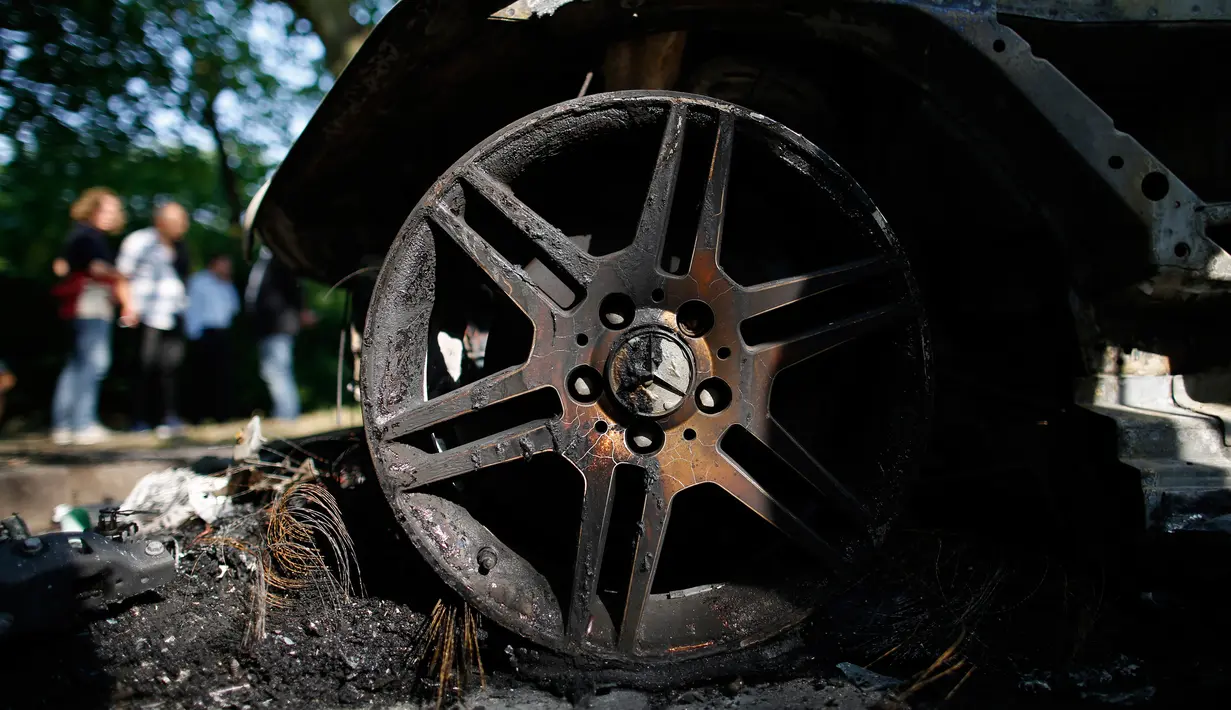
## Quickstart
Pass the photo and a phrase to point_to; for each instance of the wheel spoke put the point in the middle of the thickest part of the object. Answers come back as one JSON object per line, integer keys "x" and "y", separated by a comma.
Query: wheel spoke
{"x": 775, "y": 438}
{"x": 775, "y": 356}
{"x": 511, "y": 279}
{"x": 709, "y": 226}
{"x": 775, "y": 294}
{"x": 645, "y": 564}
{"x": 750, "y": 493}
{"x": 591, "y": 540}
{"x": 552, "y": 244}
{"x": 476, "y": 395}
{"x": 521, "y": 443}
{"x": 656, "y": 213}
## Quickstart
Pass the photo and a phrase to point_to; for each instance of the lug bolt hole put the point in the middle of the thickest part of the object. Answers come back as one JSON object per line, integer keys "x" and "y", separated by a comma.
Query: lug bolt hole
{"x": 582, "y": 339}
{"x": 695, "y": 319}
{"x": 690, "y": 434}
{"x": 658, "y": 295}
{"x": 713, "y": 396}
{"x": 617, "y": 311}
{"x": 1155, "y": 186}
{"x": 487, "y": 559}
{"x": 600, "y": 426}
{"x": 585, "y": 384}
{"x": 724, "y": 352}
{"x": 644, "y": 438}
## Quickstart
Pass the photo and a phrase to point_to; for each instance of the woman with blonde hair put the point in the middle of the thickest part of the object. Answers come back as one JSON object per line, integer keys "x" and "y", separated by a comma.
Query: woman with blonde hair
{"x": 91, "y": 287}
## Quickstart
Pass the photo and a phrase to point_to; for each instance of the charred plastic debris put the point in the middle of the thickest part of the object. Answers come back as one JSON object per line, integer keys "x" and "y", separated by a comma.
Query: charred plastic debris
{"x": 218, "y": 584}
{"x": 46, "y": 579}
{"x": 53, "y": 579}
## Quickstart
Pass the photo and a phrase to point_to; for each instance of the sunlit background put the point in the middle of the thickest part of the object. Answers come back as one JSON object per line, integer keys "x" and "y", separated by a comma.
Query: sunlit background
{"x": 191, "y": 100}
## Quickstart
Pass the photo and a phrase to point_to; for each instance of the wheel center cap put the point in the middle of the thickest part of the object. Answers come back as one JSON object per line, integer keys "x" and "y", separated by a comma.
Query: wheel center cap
{"x": 650, "y": 373}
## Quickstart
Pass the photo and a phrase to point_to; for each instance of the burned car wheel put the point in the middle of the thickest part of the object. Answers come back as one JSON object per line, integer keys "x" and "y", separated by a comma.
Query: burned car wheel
{"x": 705, "y": 386}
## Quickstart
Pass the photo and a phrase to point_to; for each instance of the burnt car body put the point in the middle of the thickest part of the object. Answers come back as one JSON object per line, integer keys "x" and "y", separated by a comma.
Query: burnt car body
{"x": 1059, "y": 174}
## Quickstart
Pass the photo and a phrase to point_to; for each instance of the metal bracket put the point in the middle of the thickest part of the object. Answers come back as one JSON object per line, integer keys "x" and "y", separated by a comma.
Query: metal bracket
{"x": 1172, "y": 213}
{"x": 1221, "y": 412}
{"x": 49, "y": 581}
{"x": 1118, "y": 10}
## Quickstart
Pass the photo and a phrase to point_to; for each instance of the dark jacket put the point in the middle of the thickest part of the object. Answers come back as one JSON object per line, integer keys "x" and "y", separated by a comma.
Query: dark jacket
{"x": 83, "y": 246}
{"x": 274, "y": 297}
{"x": 183, "y": 261}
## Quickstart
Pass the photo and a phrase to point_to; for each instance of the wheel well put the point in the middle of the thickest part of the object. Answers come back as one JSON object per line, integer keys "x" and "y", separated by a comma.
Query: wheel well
{"x": 374, "y": 147}
{"x": 940, "y": 151}
{"x": 992, "y": 261}
{"x": 953, "y": 159}
{"x": 957, "y": 165}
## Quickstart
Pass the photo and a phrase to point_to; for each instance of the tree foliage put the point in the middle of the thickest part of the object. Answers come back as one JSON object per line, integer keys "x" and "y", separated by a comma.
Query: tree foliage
{"x": 99, "y": 81}
{"x": 191, "y": 100}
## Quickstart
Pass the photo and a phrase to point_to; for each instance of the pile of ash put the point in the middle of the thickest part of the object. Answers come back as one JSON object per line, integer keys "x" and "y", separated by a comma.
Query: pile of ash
{"x": 299, "y": 591}
{"x": 302, "y": 591}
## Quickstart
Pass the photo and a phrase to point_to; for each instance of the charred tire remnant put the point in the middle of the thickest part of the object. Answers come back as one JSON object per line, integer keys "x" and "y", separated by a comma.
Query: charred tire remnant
{"x": 690, "y": 385}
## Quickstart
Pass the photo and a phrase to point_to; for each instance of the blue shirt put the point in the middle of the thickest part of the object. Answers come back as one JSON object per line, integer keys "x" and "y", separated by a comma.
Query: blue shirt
{"x": 212, "y": 303}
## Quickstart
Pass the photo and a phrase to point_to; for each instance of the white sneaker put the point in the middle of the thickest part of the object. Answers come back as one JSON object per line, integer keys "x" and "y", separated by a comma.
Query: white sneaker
{"x": 61, "y": 437}
{"x": 91, "y": 435}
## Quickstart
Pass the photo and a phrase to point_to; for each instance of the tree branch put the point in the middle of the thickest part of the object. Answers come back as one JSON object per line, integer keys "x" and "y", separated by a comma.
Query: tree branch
{"x": 230, "y": 184}
{"x": 332, "y": 22}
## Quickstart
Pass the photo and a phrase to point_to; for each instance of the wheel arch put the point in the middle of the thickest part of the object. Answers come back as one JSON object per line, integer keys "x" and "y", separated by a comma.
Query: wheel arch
{"x": 435, "y": 78}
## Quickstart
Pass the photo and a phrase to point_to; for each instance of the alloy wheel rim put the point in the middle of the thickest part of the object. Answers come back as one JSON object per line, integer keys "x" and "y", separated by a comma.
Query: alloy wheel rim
{"x": 652, "y": 371}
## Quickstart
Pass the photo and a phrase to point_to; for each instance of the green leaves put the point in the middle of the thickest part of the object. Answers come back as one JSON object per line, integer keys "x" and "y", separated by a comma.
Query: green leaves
{"x": 139, "y": 95}
{"x": 187, "y": 99}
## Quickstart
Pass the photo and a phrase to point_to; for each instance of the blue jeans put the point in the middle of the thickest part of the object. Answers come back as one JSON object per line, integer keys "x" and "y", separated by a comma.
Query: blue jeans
{"x": 75, "y": 404}
{"x": 278, "y": 371}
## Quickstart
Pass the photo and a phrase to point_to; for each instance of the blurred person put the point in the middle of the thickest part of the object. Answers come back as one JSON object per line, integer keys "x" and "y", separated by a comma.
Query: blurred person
{"x": 274, "y": 297}
{"x": 212, "y": 305}
{"x": 7, "y": 382}
{"x": 156, "y": 263}
{"x": 91, "y": 287}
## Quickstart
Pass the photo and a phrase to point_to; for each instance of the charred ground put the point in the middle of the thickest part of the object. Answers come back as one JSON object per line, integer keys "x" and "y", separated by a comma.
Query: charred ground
{"x": 968, "y": 615}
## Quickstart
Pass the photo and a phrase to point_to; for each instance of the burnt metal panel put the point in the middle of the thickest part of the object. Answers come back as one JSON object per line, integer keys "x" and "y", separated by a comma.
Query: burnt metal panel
{"x": 327, "y": 209}
{"x": 1118, "y": 10}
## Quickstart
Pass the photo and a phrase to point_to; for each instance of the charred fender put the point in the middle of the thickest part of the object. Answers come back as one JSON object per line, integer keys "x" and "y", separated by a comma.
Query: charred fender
{"x": 348, "y": 182}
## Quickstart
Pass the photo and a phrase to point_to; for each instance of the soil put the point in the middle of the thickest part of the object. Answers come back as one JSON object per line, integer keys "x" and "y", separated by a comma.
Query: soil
{"x": 1000, "y": 622}
{"x": 143, "y": 445}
